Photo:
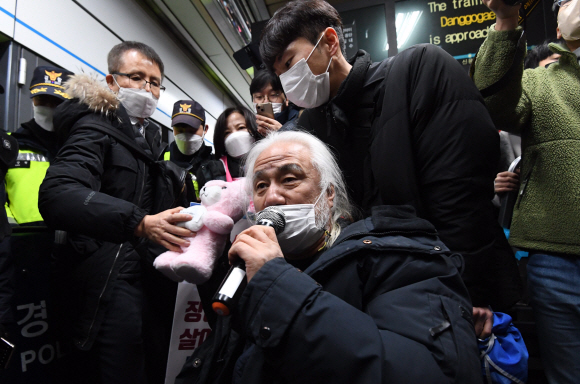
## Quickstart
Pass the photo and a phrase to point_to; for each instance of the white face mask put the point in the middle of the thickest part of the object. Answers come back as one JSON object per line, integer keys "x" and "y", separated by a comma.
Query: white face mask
{"x": 276, "y": 107}
{"x": 302, "y": 87}
{"x": 239, "y": 143}
{"x": 138, "y": 102}
{"x": 300, "y": 232}
{"x": 569, "y": 21}
{"x": 43, "y": 117}
{"x": 188, "y": 143}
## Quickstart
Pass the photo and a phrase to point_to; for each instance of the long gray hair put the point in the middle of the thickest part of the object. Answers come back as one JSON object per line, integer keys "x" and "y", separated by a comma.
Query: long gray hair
{"x": 323, "y": 161}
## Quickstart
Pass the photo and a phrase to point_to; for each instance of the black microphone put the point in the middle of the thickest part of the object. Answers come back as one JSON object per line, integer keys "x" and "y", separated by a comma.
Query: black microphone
{"x": 235, "y": 281}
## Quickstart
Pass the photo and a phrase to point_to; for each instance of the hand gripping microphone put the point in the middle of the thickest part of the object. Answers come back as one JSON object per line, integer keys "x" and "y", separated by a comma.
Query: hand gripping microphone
{"x": 235, "y": 281}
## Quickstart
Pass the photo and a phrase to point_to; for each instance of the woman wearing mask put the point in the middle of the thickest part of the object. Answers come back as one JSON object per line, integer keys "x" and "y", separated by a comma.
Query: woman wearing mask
{"x": 235, "y": 133}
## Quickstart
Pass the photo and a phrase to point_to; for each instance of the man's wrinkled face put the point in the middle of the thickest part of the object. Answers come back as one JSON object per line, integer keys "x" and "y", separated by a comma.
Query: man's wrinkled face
{"x": 284, "y": 174}
{"x": 300, "y": 49}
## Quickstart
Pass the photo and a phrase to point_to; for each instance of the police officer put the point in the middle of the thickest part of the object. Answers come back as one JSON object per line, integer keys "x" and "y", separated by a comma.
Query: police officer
{"x": 189, "y": 150}
{"x": 37, "y": 142}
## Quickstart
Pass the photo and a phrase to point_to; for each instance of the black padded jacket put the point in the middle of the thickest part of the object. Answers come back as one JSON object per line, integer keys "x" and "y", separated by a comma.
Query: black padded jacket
{"x": 413, "y": 129}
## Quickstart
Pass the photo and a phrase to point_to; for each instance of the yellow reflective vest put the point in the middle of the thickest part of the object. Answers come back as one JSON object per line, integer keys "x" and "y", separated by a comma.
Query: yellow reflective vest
{"x": 22, "y": 183}
{"x": 167, "y": 157}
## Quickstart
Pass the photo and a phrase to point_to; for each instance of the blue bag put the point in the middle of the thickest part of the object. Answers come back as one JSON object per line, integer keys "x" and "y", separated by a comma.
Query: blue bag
{"x": 504, "y": 356}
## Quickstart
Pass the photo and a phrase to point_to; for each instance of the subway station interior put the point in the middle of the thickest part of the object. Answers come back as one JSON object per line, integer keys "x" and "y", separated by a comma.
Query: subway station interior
{"x": 210, "y": 49}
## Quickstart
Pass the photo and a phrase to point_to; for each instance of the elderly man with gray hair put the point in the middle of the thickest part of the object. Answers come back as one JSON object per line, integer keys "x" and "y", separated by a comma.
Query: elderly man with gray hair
{"x": 377, "y": 301}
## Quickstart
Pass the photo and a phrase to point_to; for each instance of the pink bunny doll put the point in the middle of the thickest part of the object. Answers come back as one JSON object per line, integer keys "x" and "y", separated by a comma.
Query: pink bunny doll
{"x": 222, "y": 204}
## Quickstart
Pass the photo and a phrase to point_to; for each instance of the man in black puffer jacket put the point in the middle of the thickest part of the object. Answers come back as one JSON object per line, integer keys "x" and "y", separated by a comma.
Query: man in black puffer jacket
{"x": 409, "y": 130}
{"x": 102, "y": 190}
{"x": 380, "y": 301}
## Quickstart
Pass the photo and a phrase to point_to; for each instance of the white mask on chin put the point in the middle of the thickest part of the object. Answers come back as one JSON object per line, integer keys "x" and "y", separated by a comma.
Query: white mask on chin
{"x": 188, "y": 143}
{"x": 304, "y": 88}
{"x": 43, "y": 117}
{"x": 137, "y": 102}
{"x": 239, "y": 143}
{"x": 301, "y": 231}
{"x": 569, "y": 21}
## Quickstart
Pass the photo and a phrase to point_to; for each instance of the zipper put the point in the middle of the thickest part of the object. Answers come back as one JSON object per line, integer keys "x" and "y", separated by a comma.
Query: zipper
{"x": 525, "y": 182}
{"x": 387, "y": 233}
{"x": 145, "y": 170}
{"x": 424, "y": 252}
{"x": 101, "y": 296}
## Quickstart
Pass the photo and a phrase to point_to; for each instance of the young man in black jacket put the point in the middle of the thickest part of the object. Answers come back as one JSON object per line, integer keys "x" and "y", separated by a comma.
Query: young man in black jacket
{"x": 100, "y": 189}
{"x": 412, "y": 129}
{"x": 380, "y": 301}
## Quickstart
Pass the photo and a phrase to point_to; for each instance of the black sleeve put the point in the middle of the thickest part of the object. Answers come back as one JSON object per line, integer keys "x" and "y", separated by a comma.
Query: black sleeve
{"x": 70, "y": 197}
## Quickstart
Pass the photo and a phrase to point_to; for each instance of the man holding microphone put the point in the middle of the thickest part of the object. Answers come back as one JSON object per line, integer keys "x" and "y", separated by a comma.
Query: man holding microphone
{"x": 331, "y": 302}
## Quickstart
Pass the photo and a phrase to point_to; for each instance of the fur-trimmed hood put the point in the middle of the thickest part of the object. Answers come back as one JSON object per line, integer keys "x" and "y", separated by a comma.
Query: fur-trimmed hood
{"x": 89, "y": 90}
{"x": 90, "y": 96}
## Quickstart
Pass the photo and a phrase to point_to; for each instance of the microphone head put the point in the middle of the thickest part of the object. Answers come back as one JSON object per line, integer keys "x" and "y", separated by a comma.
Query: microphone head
{"x": 272, "y": 217}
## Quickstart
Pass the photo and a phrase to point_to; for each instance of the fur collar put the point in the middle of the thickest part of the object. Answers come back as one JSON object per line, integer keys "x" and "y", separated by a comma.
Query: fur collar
{"x": 91, "y": 92}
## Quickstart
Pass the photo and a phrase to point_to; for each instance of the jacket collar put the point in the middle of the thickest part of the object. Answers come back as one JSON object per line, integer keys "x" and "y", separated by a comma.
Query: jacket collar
{"x": 389, "y": 218}
{"x": 193, "y": 161}
{"x": 91, "y": 97}
{"x": 348, "y": 95}
{"x": 386, "y": 220}
{"x": 351, "y": 88}
{"x": 567, "y": 58}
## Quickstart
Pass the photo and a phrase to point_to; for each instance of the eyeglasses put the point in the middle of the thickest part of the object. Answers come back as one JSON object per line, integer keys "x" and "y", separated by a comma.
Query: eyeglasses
{"x": 137, "y": 82}
{"x": 274, "y": 97}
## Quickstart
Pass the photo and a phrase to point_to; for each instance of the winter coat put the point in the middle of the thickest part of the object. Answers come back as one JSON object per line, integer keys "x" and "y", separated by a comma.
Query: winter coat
{"x": 385, "y": 304}
{"x": 542, "y": 105}
{"x": 414, "y": 130}
{"x": 201, "y": 164}
{"x": 98, "y": 191}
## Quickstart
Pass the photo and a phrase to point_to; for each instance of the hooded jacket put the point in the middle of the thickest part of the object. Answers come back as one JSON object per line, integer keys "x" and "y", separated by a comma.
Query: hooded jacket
{"x": 385, "y": 304}
{"x": 542, "y": 105}
{"x": 413, "y": 129}
{"x": 98, "y": 191}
